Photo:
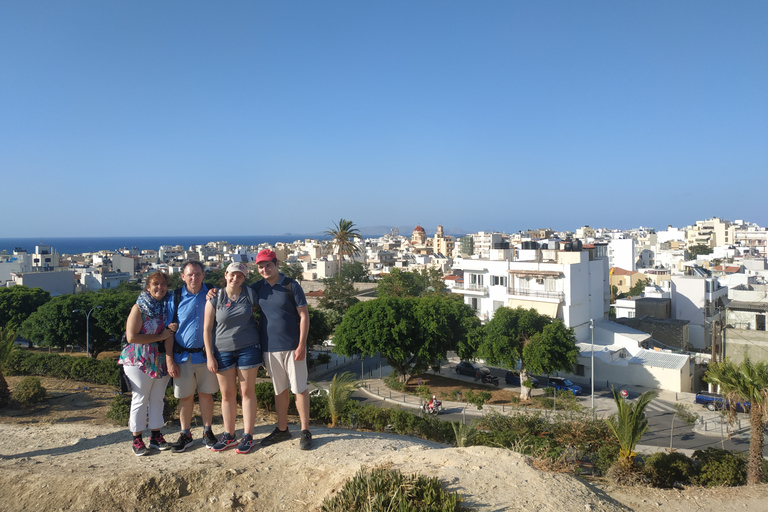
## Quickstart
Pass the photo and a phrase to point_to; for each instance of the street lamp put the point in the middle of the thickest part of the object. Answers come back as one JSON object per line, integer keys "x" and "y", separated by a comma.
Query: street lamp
{"x": 592, "y": 332}
{"x": 87, "y": 328}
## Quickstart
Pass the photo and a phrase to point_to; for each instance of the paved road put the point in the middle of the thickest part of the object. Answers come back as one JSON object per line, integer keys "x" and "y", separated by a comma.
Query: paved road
{"x": 710, "y": 430}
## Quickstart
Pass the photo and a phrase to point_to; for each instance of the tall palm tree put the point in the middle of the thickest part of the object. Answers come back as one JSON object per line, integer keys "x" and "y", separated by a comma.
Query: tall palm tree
{"x": 344, "y": 235}
{"x": 628, "y": 424}
{"x": 746, "y": 381}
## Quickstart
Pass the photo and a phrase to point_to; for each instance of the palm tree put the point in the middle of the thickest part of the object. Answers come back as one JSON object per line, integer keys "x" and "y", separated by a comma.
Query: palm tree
{"x": 344, "y": 234}
{"x": 746, "y": 381}
{"x": 7, "y": 337}
{"x": 339, "y": 391}
{"x": 628, "y": 424}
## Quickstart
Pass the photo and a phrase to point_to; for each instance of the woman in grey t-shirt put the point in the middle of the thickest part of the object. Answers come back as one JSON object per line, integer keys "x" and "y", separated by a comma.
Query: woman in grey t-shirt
{"x": 235, "y": 354}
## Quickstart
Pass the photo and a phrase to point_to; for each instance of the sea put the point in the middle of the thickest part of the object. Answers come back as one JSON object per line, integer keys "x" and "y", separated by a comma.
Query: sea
{"x": 78, "y": 245}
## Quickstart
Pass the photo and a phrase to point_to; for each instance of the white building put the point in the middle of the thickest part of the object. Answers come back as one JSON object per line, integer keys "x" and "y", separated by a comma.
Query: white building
{"x": 700, "y": 300}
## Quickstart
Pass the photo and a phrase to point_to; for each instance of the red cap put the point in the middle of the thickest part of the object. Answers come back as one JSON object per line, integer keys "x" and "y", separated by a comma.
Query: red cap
{"x": 266, "y": 255}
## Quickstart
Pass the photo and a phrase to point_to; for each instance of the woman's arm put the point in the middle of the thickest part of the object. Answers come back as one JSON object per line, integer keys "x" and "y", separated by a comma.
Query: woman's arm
{"x": 133, "y": 327}
{"x": 210, "y": 318}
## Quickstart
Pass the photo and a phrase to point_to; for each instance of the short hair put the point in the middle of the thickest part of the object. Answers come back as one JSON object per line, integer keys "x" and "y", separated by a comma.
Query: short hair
{"x": 193, "y": 262}
{"x": 154, "y": 276}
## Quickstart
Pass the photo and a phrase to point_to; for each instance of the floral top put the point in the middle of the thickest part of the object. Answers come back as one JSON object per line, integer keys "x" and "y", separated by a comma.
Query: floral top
{"x": 145, "y": 355}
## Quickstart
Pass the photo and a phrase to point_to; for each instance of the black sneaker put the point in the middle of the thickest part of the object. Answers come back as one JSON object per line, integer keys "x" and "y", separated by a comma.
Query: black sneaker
{"x": 139, "y": 448}
{"x": 224, "y": 442}
{"x": 246, "y": 443}
{"x": 209, "y": 439}
{"x": 278, "y": 436}
{"x": 157, "y": 441}
{"x": 305, "y": 440}
{"x": 184, "y": 442}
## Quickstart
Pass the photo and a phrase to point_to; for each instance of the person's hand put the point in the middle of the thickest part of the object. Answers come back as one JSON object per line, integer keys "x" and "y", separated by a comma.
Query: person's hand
{"x": 167, "y": 333}
{"x": 213, "y": 366}
{"x": 211, "y": 293}
{"x": 300, "y": 353}
{"x": 174, "y": 326}
{"x": 173, "y": 368}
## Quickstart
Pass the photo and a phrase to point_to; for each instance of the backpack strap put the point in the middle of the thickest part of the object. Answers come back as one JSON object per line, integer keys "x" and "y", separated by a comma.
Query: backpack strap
{"x": 176, "y": 302}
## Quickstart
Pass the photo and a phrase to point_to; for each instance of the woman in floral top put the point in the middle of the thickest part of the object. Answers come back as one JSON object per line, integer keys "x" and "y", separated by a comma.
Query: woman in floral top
{"x": 143, "y": 361}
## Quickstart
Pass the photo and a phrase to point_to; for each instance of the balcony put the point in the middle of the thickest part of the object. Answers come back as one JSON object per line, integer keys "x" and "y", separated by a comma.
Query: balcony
{"x": 470, "y": 288}
{"x": 541, "y": 294}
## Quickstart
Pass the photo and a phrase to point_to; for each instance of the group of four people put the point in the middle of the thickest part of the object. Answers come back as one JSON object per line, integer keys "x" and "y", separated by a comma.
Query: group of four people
{"x": 215, "y": 342}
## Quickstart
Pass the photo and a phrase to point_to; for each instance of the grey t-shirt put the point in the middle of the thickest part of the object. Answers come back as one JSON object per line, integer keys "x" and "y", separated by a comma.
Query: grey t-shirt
{"x": 235, "y": 327}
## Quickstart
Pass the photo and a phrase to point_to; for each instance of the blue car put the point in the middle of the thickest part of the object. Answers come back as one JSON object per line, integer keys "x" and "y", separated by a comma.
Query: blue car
{"x": 514, "y": 379}
{"x": 559, "y": 383}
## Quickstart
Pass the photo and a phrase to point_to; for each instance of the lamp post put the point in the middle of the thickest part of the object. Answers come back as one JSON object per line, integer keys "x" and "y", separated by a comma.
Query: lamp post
{"x": 87, "y": 328}
{"x": 592, "y": 332}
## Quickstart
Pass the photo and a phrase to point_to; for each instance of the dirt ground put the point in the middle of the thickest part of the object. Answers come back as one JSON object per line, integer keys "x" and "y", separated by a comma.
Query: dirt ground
{"x": 65, "y": 455}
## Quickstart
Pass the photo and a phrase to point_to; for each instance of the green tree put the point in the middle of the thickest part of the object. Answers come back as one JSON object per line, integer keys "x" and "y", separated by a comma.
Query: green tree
{"x": 215, "y": 278}
{"x": 7, "y": 339}
{"x": 294, "y": 270}
{"x": 537, "y": 342}
{"x": 628, "y": 424}
{"x": 343, "y": 237}
{"x": 639, "y": 287}
{"x": 403, "y": 283}
{"x": 409, "y": 333}
{"x": 18, "y": 302}
{"x": 698, "y": 250}
{"x": 355, "y": 272}
{"x": 339, "y": 295}
{"x": 320, "y": 327}
{"x": 746, "y": 381}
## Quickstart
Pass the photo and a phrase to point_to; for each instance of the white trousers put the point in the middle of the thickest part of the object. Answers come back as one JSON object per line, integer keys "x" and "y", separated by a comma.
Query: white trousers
{"x": 146, "y": 399}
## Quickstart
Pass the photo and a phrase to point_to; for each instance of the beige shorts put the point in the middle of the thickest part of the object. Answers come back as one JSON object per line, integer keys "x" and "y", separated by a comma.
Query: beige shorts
{"x": 286, "y": 372}
{"x": 194, "y": 376}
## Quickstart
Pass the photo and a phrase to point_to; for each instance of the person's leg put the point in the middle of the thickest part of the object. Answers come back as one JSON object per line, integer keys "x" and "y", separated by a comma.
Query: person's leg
{"x": 186, "y": 406}
{"x": 302, "y": 405}
{"x": 205, "y": 400}
{"x": 156, "y": 403}
{"x": 248, "y": 393}
{"x": 141, "y": 385}
{"x": 228, "y": 386}
{"x": 282, "y": 401}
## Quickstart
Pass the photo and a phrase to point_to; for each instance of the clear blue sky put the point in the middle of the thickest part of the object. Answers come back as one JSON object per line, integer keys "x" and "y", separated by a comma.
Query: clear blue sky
{"x": 284, "y": 116}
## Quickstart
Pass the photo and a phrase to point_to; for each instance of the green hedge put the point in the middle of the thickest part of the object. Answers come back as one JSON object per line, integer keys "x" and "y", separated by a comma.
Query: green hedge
{"x": 99, "y": 371}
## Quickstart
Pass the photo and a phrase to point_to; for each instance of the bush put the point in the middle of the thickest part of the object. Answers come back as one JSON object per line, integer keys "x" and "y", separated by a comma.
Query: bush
{"x": 719, "y": 467}
{"x": 323, "y": 358}
{"x": 380, "y": 490}
{"x": 606, "y": 456}
{"x": 99, "y": 371}
{"x": 170, "y": 404}
{"x": 392, "y": 381}
{"x": 29, "y": 391}
{"x": 318, "y": 409}
{"x": 265, "y": 396}
{"x": 667, "y": 469}
{"x": 120, "y": 409}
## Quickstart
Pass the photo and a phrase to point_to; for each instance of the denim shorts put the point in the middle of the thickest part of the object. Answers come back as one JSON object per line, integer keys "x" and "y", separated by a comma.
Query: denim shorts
{"x": 243, "y": 359}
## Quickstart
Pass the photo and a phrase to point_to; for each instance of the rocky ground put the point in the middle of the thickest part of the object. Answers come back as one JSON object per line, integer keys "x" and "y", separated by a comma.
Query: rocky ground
{"x": 65, "y": 455}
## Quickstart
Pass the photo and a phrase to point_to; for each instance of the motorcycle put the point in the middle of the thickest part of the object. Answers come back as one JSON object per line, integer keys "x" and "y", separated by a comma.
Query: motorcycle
{"x": 436, "y": 409}
{"x": 487, "y": 378}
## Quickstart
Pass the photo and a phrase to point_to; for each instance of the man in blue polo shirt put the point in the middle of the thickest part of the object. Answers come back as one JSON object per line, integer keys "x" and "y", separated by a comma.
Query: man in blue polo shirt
{"x": 188, "y": 365}
{"x": 283, "y": 334}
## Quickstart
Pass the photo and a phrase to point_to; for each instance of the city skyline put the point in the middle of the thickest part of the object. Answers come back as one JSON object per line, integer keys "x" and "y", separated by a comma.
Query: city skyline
{"x": 284, "y": 117}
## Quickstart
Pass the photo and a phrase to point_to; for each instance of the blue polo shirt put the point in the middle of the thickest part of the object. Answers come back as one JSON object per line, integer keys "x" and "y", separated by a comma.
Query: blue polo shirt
{"x": 191, "y": 323}
{"x": 279, "y": 319}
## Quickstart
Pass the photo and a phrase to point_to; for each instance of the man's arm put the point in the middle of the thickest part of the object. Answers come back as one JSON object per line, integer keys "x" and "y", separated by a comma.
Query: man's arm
{"x": 301, "y": 350}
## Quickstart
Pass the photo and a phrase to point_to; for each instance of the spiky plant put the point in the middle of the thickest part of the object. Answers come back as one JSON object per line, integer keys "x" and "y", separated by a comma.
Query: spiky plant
{"x": 746, "y": 381}
{"x": 465, "y": 433}
{"x": 628, "y": 424}
{"x": 7, "y": 337}
{"x": 339, "y": 390}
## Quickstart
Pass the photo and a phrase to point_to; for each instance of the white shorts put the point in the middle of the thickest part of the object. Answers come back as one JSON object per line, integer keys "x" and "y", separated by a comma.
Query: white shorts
{"x": 286, "y": 372}
{"x": 194, "y": 376}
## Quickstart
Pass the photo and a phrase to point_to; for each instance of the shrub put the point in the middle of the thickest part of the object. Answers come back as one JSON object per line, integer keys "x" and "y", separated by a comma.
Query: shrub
{"x": 380, "y": 490}
{"x": 392, "y": 381}
{"x": 606, "y": 456}
{"x": 477, "y": 399}
{"x": 667, "y": 469}
{"x": 465, "y": 433}
{"x": 423, "y": 392}
{"x": 265, "y": 395}
{"x": 170, "y": 404}
{"x": 120, "y": 409}
{"x": 719, "y": 467}
{"x": 29, "y": 391}
{"x": 455, "y": 395}
{"x": 318, "y": 409}
{"x": 323, "y": 358}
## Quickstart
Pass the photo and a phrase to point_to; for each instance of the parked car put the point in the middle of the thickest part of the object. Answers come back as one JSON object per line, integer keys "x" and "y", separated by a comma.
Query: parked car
{"x": 467, "y": 368}
{"x": 514, "y": 379}
{"x": 717, "y": 402}
{"x": 560, "y": 383}
{"x": 328, "y": 343}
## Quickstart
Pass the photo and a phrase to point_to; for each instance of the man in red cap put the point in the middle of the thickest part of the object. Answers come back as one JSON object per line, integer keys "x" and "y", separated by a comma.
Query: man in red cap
{"x": 283, "y": 335}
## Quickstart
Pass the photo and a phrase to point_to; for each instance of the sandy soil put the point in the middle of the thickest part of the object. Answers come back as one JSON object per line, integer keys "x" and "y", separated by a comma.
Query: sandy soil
{"x": 66, "y": 456}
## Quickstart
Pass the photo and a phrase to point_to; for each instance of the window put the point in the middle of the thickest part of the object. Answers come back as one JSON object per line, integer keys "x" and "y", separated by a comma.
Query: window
{"x": 579, "y": 370}
{"x": 476, "y": 279}
{"x": 499, "y": 281}
{"x": 550, "y": 284}
{"x": 475, "y": 304}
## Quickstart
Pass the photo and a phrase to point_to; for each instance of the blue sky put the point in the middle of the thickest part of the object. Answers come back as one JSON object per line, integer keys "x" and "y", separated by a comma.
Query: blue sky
{"x": 284, "y": 116}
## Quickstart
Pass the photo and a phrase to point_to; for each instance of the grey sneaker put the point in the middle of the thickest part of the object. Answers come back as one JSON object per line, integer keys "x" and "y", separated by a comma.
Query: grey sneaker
{"x": 158, "y": 442}
{"x": 305, "y": 440}
{"x": 277, "y": 436}
{"x": 139, "y": 448}
{"x": 184, "y": 442}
